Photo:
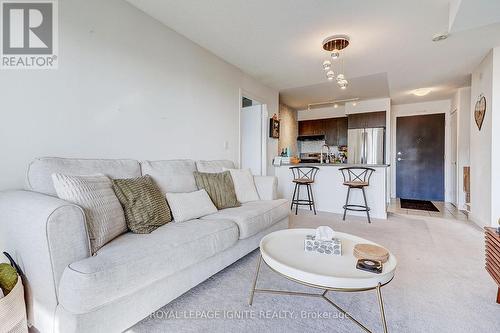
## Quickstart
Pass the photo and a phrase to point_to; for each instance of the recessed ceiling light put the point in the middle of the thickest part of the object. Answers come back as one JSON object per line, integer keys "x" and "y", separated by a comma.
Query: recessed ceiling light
{"x": 354, "y": 103}
{"x": 335, "y": 105}
{"x": 440, "y": 37}
{"x": 421, "y": 92}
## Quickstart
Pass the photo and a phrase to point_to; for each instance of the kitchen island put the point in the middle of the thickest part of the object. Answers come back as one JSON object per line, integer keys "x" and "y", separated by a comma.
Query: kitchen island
{"x": 330, "y": 193}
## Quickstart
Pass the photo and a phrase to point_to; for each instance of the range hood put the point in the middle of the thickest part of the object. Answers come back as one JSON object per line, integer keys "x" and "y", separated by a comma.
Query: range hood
{"x": 311, "y": 137}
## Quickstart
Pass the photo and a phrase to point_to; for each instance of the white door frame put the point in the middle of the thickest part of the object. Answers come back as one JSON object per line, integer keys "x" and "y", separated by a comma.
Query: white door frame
{"x": 265, "y": 130}
{"x": 454, "y": 156}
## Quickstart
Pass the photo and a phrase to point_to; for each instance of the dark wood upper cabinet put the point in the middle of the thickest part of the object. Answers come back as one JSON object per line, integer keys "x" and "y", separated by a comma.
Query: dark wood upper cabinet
{"x": 312, "y": 127}
{"x": 334, "y": 130}
{"x": 366, "y": 120}
{"x": 342, "y": 131}
{"x": 331, "y": 131}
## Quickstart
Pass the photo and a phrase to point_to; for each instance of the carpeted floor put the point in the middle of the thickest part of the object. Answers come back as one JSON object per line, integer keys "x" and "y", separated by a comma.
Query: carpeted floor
{"x": 440, "y": 286}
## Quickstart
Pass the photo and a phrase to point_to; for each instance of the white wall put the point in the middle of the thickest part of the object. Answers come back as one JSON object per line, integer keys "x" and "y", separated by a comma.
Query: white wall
{"x": 495, "y": 140}
{"x": 442, "y": 106}
{"x": 461, "y": 103}
{"x": 126, "y": 87}
{"x": 480, "y": 141}
{"x": 485, "y": 144}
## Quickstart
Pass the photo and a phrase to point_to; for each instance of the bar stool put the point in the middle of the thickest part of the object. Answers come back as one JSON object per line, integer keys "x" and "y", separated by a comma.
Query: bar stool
{"x": 357, "y": 177}
{"x": 303, "y": 176}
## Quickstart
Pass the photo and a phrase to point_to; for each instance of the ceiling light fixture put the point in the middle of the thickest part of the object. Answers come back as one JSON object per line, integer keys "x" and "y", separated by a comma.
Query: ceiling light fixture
{"x": 421, "y": 92}
{"x": 335, "y": 45}
{"x": 327, "y": 65}
{"x": 330, "y": 75}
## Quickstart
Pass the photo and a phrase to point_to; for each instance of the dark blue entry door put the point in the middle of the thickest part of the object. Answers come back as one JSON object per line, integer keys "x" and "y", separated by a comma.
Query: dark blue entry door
{"x": 420, "y": 157}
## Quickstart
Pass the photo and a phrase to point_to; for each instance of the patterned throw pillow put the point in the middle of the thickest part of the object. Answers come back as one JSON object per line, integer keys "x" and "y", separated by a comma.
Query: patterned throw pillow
{"x": 145, "y": 206}
{"x": 219, "y": 187}
{"x": 103, "y": 212}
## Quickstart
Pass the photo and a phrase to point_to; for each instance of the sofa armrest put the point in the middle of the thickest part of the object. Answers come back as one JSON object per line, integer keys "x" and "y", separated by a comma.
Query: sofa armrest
{"x": 44, "y": 234}
{"x": 267, "y": 187}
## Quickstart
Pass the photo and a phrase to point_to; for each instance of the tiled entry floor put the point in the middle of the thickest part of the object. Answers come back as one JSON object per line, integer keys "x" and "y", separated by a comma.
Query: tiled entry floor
{"x": 446, "y": 210}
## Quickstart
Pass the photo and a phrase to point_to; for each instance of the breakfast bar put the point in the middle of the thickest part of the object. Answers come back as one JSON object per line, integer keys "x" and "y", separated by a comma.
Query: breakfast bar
{"x": 330, "y": 193}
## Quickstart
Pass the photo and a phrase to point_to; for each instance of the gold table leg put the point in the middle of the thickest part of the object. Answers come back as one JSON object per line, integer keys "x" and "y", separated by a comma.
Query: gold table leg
{"x": 252, "y": 292}
{"x": 381, "y": 305}
{"x": 345, "y": 313}
{"x": 323, "y": 295}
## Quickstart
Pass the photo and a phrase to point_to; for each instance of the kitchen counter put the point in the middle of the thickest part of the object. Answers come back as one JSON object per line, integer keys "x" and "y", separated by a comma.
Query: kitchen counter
{"x": 340, "y": 165}
{"x": 330, "y": 193}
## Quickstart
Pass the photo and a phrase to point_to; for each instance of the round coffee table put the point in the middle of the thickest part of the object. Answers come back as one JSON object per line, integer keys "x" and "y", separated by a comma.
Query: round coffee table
{"x": 283, "y": 251}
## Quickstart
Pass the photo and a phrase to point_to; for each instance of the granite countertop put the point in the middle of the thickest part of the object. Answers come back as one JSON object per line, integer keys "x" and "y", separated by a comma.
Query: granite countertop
{"x": 339, "y": 165}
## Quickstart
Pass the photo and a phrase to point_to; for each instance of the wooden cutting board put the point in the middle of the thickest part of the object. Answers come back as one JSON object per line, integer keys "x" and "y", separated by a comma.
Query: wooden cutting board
{"x": 372, "y": 252}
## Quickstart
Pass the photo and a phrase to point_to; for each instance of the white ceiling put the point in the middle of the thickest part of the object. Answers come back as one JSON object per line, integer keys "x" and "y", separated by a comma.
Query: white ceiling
{"x": 279, "y": 41}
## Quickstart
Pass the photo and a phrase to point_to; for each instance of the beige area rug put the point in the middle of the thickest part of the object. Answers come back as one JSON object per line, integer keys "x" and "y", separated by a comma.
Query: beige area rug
{"x": 440, "y": 286}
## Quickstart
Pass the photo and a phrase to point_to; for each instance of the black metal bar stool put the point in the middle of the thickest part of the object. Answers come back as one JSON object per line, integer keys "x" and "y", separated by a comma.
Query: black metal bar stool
{"x": 303, "y": 176}
{"x": 357, "y": 177}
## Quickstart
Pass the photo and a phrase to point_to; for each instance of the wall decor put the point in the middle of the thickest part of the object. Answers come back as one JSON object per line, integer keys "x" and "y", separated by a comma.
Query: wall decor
{"x": 480, "y": 111}
{"x": 274, "y": 128}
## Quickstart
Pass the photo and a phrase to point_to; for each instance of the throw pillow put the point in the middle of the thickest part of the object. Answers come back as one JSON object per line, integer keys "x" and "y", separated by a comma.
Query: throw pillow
{"x": 145, "y": 206}
{"x": 192, "y": 205}
{"x": 103, "y": 212}
{"x": 219, "y": 187}
{"x": 244, "y": 185}
{"x": 8, "y": 279}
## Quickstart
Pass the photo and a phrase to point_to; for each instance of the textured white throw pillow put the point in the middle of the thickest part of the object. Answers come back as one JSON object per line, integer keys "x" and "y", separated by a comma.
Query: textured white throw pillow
{"x": 191, "y": 205}
{"x": 244, "y": 185}
{"x": 103, "y": 211}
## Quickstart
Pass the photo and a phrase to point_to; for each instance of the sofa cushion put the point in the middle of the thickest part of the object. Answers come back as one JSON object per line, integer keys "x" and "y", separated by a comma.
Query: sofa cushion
{"x": 254, "y": 216}
{"x": 171, "y": 176}
{"x": 40, "y": 170}
{"x": 132, "y": 261}
{"x": 214, "y": 166}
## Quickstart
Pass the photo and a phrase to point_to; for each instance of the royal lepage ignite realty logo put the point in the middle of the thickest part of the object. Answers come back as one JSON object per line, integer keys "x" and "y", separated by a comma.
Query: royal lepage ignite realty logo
{"x": 29, "y": 34}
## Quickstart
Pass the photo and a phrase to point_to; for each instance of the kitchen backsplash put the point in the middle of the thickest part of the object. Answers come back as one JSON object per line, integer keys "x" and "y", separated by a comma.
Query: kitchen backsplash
{"x": 308, "y": 147}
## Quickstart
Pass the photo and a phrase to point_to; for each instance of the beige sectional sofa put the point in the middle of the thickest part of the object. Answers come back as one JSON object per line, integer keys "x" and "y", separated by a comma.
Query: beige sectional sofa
{"x": 135, "y": 274}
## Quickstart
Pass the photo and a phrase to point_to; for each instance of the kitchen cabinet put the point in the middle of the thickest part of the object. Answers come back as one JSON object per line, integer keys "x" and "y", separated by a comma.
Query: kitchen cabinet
{"x": 312, "y": 127}
{"x": 342, "y": 131}
{"x": 334, "y": 130}
{"x": 331, "y": 131}
{"x": 366, "y": 120}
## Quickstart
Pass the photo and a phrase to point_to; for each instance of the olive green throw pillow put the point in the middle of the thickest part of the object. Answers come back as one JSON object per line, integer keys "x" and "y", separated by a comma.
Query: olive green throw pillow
{"x": 144, "y": 205}
{"x": 219, "y": 187}
{"x": 8, "y": 278}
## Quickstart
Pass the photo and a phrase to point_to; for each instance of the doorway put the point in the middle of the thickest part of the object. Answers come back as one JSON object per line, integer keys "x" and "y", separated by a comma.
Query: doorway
{"x": 253, "y": 144}
{"x": 420, "y": 148}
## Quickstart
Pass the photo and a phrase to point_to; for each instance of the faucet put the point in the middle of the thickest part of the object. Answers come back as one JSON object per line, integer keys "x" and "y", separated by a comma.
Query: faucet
{"x": 327, "y": 154}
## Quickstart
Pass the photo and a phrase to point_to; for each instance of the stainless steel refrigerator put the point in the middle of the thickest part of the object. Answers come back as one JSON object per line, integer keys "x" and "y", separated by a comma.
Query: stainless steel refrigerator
{"x": 366, "y": 146}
